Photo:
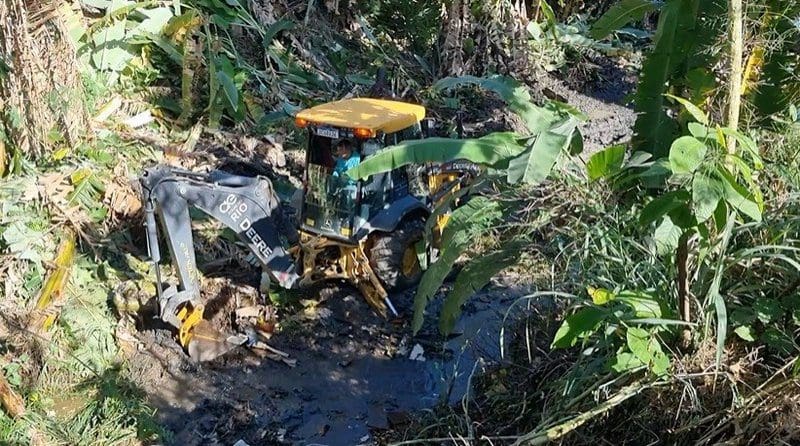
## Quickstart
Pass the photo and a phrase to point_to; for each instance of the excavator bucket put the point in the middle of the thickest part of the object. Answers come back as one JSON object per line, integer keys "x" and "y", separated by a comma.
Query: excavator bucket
{"x": 208, "y": 343}
{"x": 198, "y": 336}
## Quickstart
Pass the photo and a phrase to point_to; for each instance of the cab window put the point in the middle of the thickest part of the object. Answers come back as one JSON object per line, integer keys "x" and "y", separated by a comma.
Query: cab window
{"x": 321, "y": 151}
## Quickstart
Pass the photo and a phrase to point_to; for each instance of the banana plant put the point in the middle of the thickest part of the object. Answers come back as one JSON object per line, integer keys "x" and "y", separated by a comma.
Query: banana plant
{"x": 670, "y": 64}
{"x": 196, "y": 38}
{"x": 510, "y": 160}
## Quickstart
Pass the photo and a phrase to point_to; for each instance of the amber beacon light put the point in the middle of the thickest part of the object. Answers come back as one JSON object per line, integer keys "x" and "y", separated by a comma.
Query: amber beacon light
{"x": 363, "y": 133}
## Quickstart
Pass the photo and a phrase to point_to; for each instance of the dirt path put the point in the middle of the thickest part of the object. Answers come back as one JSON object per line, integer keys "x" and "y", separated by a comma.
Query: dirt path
{"x": 609, "y": 122}
{"x": 354, "y": 373}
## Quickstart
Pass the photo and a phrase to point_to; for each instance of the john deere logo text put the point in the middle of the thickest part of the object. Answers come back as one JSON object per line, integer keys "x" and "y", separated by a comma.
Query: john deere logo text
{"x": 236, "y": 210}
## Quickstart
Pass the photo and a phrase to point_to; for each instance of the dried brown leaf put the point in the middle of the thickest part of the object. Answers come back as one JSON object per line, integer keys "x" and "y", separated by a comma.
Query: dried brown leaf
{"x": 122, "y": 199}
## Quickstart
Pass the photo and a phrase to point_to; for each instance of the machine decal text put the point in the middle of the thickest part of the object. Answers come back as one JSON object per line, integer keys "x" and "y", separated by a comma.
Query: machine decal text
{"x": 236, "y": 210}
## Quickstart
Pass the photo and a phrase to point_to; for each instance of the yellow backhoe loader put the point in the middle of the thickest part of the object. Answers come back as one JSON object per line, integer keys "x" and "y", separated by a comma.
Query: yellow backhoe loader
{"x": 364, "y": 232}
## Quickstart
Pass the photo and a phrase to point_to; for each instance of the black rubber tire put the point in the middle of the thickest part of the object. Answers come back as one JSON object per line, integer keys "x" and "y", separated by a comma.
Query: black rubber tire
{"x": 386, "y": 255}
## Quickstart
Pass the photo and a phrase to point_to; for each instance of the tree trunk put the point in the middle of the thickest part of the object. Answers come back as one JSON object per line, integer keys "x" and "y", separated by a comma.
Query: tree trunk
{"x": 735, "y": 82}
{"x": 483, "y": 37}
{"x": 40, "y": 86}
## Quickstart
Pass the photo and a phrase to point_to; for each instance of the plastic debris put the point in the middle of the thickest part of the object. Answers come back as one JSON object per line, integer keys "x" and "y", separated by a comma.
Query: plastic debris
{"x": 417, "y": 353}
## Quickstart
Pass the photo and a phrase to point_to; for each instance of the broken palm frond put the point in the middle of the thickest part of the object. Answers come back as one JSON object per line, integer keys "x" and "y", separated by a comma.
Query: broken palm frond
{"x": 53, "y": 190}
{"x": 51, "y": 298}
{"x": 555, "y": 432}
{"x": 121, "y": 197}
{"x": 40, "y": 88}
{"x": 194, "y": 136}
{"x": 108, "y": 109}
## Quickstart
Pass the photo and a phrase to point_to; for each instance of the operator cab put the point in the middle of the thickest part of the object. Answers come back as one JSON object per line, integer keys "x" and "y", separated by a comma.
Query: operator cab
{"x": 333, "y": 204}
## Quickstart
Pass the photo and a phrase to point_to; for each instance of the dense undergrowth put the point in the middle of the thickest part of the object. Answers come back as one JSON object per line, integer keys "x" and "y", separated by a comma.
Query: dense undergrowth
{"x": 674, "y": 274}
{"x": 590, "y": 253}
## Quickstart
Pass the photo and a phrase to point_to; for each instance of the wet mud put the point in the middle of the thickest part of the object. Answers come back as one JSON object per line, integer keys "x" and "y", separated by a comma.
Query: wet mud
{"x": 356, "y": 374}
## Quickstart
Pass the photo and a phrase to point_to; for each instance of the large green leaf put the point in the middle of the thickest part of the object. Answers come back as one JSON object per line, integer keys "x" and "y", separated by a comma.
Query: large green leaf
{"x": 619, "y": 15}
{"x": 663, "y": 205}
{"x": 638, "y": 338}
{"x": 697, "y": 114}
{"x": 536, "y": 118}
{"x": 550, "y": 16}
{"x": 666, "y": 236}
{"x": 578, "y": 325}
{"x": 116, "y": 5}
{"x": 738, "y": 196}
{"x": 553, "y": 128}
{"x": 766, "y": 309}
{"x": 274, "y": 29}
{"x": 445, "y": 207}
{"x": 111, "y": 52}
{"x": 624, "y": 361}
{"x": 465, "y": 224}
{"x": 606, "y": 162}
{"x": 471, "y": 279}
{"x": 167, "y": 46}
{"x": 489, "y": 150}
{"x": 686, "y": 154}
{"x": 675, "y": 37}
{"x": 229, "y": 88}
{"x": 707, "y": 190}
{"x": 512, "y": 92}
{"x": 745, "y": 332}
{"x": 747, "y": 143}
{"x": 155, "y": 21}
{"x": 644, "y": 305}
{"x": 647, "y": 349}
{"x": 534, "y": 165}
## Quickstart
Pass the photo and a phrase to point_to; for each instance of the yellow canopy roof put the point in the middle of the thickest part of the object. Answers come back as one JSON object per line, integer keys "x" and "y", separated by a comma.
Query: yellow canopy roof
{"x": 374, "y": 114}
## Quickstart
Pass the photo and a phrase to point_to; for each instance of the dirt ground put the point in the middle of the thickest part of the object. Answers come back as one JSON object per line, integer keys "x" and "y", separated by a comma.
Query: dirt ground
{"x": 356, "y": 373}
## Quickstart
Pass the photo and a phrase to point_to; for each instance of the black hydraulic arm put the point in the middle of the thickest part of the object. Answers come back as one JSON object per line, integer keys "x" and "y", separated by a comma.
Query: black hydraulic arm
{"x": 249, "y": 206}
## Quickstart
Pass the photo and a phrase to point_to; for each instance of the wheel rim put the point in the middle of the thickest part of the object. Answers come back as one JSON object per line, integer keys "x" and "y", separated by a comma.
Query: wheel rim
{"x": 410, "y": 264}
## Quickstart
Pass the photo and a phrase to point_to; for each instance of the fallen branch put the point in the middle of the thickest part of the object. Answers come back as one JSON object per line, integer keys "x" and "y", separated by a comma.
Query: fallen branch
{"x": 275, "y": 354}
{"x": 558, "y": 431}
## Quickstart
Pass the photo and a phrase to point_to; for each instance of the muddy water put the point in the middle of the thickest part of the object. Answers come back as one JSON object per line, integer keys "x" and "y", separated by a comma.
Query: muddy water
{"x": 354, "y": 374}
{"x": 337, "y": 399}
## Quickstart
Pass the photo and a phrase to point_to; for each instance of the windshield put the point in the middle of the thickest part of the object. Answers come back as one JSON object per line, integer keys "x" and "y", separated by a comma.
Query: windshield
{"x": 321, "y": 151}
{"x": 331, "y": 198}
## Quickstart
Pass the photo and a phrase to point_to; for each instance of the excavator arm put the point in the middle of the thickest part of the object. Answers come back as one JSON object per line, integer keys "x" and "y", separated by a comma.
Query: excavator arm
{"x": 247, "y": 205}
